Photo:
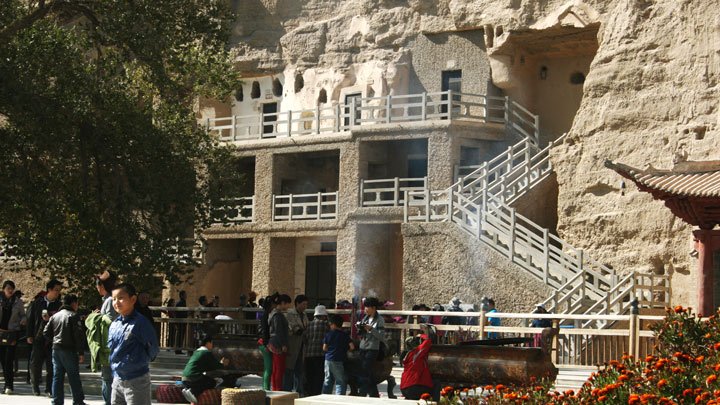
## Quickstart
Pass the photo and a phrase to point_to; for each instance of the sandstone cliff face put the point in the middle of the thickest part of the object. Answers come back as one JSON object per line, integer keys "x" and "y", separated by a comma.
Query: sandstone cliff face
{"x": 271, "y": 35}
{"x": 651, "y": 97}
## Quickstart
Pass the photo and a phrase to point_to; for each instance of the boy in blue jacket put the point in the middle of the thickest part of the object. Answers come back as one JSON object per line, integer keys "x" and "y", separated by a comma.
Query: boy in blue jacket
{"x": 133, "y": 345}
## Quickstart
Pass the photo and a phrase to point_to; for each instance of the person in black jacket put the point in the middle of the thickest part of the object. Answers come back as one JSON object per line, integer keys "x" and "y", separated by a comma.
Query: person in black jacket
{"x": 40, "y": 354}
{"x": 65, "y": 330}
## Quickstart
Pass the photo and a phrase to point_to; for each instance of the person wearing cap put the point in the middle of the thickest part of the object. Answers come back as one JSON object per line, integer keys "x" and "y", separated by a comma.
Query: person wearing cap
{"x": 454, "y": 307}
{"x": 314, "y": 355}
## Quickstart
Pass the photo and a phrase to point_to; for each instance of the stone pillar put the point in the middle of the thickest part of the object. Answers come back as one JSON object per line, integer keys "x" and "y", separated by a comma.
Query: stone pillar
{"x": 706, "y": 242}
{"x": 440, "y": 161}
{"x": 261, "y": 265}
{"x": 264, "y": 173}
{"x": 346, "y": 261}
{"x": 349, "y": 181}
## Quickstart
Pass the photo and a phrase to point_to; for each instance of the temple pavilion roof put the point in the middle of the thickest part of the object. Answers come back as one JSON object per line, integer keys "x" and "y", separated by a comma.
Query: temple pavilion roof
{"x": 691, "y": 189}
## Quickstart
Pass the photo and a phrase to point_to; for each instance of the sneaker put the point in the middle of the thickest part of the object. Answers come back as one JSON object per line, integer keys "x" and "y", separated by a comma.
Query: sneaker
{"x": 189, "y": 395}
{"x": 8, "y": 391}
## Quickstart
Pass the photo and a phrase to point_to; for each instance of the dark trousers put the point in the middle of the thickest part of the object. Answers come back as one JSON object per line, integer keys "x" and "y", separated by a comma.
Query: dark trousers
{"x": 201, "y": 384}
{"x": 314, "y": 374}
{"x": 66, "y": 361}
{"x": 7, "y": 358}
{"x": 41, "y": 355}
{"x": 367, "y": 382}
{"x": 414, "y": 392}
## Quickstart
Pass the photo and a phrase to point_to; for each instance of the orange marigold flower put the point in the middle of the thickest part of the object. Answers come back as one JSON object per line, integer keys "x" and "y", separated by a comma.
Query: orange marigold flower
{"x": 510, "y": 396}
{"x": 687, "y": 392}
{"x": 602, "y": 398}
{"x": 717, "y": 346}
{"x": 649, "y": 359}
{"x": 678, "y": 309}
{"x": 662, "y": 383}
{"x": 634, "y": 399}
{"x": 538, "y": 388}
{"x": 699, "y": 359}
{"x": 711, "y": 379}
{"x": 623, "y": 377}
{"x": 677, "y": 370}
{"x": 425, "y": 396}
{"x": 677, "y": 354}
{"x": 499, "y": 387}
{"x": 488, "y": 388}
{"x": 448, "y": 388}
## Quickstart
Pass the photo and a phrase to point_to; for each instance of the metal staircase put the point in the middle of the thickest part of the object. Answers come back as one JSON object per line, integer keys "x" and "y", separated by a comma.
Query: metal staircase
{"x": 480, "y": 204}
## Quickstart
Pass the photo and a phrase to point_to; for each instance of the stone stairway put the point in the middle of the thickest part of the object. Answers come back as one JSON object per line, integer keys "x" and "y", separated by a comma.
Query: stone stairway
{"x": 572, "y": 378}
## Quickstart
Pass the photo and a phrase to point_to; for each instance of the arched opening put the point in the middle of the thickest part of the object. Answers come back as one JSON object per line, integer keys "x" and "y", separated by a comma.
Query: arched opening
{"x": 322, "y": 97}
{"x": 255, "y": 91}
{"x": 277, "y": 88}
{"x": 299, "y": 83}
{"x": 239, "y": 93}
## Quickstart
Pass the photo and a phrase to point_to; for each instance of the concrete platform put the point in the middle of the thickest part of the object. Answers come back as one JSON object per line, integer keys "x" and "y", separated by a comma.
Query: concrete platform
{"x": 346, "y": 400}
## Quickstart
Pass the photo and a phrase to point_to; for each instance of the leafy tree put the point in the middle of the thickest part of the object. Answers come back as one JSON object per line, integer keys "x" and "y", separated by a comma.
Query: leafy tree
{"x": 101, "y": 159}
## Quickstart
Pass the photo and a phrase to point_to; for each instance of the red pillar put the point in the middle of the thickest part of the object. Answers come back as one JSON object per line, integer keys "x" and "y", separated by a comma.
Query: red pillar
{"x": 706, "y": 242}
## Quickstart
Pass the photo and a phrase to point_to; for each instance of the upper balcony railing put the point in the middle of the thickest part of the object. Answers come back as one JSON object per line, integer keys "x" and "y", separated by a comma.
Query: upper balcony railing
{"x": 236, "y": 210}
{"x": 342, "y": 117}
{"x": 296, "y": 207}
{"x": 388, "y": 192}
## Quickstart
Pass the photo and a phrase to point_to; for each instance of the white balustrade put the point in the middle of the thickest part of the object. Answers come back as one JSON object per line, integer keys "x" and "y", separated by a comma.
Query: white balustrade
{"x": 388, "y": 192}
{"x": 297, "y": 207}
{"x": 237, "y": 210}
{"x": 387, "y": 109}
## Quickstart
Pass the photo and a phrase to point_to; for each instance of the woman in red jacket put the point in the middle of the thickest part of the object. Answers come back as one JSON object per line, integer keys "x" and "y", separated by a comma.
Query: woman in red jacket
{"x": 416, "y": 379}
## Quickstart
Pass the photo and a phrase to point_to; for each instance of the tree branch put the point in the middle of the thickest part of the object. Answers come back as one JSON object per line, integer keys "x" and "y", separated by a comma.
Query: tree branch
{"x": 26, "y": 21}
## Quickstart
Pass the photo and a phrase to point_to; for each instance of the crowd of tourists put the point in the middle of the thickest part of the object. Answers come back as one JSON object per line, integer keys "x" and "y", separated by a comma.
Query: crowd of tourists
{"x": 119, "y": 336}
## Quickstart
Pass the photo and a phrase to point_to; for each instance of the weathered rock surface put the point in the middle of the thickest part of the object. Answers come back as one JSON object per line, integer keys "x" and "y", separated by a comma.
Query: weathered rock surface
{"x": 651, "y": 97}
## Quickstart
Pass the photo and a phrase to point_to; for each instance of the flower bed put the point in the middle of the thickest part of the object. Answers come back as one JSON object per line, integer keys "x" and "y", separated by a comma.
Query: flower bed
{"x": 685, "y": 370}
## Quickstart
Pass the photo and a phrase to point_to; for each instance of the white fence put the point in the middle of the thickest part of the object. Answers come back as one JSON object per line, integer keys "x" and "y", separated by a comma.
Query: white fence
{"x": 237, "y": 210}
{"x": 579, "y": 343}
{"x": 388, "y": 192}
{"x": 295, "y": 207}
{"x": 446, "y": 105}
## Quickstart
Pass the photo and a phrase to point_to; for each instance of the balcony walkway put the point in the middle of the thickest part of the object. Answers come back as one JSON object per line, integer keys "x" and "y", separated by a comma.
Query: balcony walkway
{"x": 390, "y": 109}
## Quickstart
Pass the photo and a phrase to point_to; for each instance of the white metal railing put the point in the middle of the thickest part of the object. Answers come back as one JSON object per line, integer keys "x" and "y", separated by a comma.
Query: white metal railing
{"x": 381, "y": 110}
{"x": 478, "y": 204}
{"x": 509, "y": 175}
{"x": 237, "y": 210}
{"x": 296, "y": 207}
{"x": 388, "y": 192}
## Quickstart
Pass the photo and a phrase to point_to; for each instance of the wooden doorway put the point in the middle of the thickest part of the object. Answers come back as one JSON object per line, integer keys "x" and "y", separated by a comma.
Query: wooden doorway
{"x": 320, "y": 280}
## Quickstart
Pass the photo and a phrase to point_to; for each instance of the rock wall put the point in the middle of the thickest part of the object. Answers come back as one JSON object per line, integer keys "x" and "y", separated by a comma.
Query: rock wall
{"x": 454, "y": 264}
{"x": 650, "y": 97}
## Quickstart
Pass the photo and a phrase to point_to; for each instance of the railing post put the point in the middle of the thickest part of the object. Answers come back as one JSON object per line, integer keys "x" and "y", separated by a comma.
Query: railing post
{"x": 261, "y": 128}
{"x": 319, "y": 205}
{"x": 353, "y": 107}
{"x": 511, "y": 248}
{"x": 423, "y": 109}
{"x": 478, "y": 219}
{"x": 362, "y": 191}
{"x": 537, "y": 130}
{"x": 317, "y": 119}
{"x": 546, "y": 254}
{"x": 290, "y": 208}
{"x": 580, "y": 260}
{"x": 427, "y": 205}
{"x": 289, "y": 123}
{"x": 405, "y": 207}
{"x": 272, "y": 207}
{"x": 456, "y": 173}
{"x": 232, "y": 131}
{"x": 387, "y": 109}
{"x": 555, "y": 300}
{"x": 252, "y": 209}
{"x": 337, "y": 117}
{"x": 396, "y": 192}
{"x": 507, "y": 111}
{"x": 449, "y": 104}
{"x": 337, "y": 204}
{"x": 484, "y": 307}
{"x": 451, "y": 195}
{"x": 633, "y": 344}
